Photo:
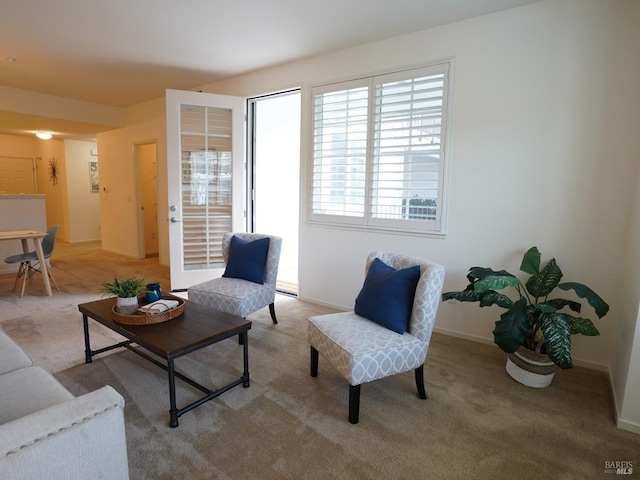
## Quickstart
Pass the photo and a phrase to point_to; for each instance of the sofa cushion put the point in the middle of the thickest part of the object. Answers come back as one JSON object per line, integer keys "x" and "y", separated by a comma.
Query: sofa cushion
{"x": 29, "y": 390}
{"x": 387, "y": 295}
{"x": 12, "y": 356}
{"x": 247, "y": 260}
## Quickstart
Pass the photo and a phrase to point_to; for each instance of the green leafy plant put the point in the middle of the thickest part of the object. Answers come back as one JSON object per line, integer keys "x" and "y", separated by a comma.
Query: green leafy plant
{"x": 126, "y": 288}
{"x": 534, "y": 320}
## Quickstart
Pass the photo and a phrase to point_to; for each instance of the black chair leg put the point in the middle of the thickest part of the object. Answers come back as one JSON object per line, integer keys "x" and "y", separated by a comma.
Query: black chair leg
{"x": 314, "y": 362}
{"x": 420, "y": 382}
{"x": 240, "y": 337}
{"x": 354, "y": 403}
{"x": 272, "y": 311}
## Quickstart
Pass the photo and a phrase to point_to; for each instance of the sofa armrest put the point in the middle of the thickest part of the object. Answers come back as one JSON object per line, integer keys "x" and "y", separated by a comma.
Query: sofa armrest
{"x": 81, "y": 438}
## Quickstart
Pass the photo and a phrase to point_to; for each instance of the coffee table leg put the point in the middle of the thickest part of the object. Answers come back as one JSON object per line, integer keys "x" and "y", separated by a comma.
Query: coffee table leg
{"x": 245, "y": 346}
{"x": 87, "y": 345}
{"x": 173, "y": 411}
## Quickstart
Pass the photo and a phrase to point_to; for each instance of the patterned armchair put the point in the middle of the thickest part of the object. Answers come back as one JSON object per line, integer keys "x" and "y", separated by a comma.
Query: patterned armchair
{"x": 362, "y": 350}
{"x": 238, "y": 296}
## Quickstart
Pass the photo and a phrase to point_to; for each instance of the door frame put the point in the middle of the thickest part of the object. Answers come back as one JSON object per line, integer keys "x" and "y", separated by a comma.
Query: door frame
{"x": 252, "y": 174}
{"x": 137, "y": 160}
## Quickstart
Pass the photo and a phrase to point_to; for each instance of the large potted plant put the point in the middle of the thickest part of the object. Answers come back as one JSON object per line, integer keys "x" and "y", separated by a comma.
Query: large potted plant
{"x": 127, "y": 291}
{"x": 535, "y": 330}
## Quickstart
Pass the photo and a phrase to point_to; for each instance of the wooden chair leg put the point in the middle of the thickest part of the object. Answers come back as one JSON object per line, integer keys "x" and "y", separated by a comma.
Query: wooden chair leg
{"x": 18, "y": 275}
{"x": 272, "y": 311}
{"x": 354, "y": 403}
{"x": 52, "y": 279}
{"x": 25, "y": 274}
{"x": 29, "y": 273}
{"x": 314, "y": 362}
{"x": 420, "y": 382}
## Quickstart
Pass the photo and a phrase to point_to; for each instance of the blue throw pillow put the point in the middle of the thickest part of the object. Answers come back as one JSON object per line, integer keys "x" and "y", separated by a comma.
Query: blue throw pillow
{"x": 247, "y": 260}
{"x": 387, "y": 295}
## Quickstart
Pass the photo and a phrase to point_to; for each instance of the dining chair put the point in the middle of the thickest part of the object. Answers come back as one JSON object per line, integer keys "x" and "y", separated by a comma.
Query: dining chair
{"x": 29, "y": 263}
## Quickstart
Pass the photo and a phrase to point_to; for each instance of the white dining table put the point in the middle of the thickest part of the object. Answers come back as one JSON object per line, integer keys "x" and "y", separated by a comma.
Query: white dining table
{"x": 36, "y": 236}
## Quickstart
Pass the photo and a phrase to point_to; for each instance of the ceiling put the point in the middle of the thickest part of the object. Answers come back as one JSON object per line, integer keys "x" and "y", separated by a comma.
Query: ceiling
{"x": 123, "y": 52}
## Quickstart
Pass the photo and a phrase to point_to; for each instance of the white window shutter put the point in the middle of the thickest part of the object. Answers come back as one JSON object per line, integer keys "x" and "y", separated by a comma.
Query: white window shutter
{"x": 408, "y": 147}
{"x": 206, "y": 176}
{"x": 378, "y": 150}
{"x": 340, "y": 151}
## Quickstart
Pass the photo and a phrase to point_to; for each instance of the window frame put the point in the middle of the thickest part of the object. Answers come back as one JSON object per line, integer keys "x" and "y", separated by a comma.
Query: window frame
{"x": 367, "y": 221}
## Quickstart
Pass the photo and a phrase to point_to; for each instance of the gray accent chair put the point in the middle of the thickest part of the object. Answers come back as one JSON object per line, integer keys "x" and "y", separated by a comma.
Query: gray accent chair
{"x": 362, "y": 350}
{"x": 237, "y": 296}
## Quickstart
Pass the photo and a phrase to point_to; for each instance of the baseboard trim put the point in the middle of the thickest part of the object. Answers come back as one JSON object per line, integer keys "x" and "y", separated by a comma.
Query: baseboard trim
{"x": 322, "y": 303}
{"x": 489, "y": 341}
{"x": 464, "y": 336}
{"x": 628, "y": 426}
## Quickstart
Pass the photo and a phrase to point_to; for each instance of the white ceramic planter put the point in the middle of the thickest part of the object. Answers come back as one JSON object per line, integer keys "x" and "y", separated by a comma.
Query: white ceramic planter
{"x": 127, "y": 306}
{"x": 530, "y": 368}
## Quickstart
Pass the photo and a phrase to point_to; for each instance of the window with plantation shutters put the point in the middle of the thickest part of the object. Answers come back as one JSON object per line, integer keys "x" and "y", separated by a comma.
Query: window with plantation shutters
{"x": 378, "y": 150}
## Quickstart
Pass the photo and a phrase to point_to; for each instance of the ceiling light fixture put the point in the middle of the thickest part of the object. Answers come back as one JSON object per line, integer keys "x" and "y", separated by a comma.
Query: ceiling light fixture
{"x": 43, "y": 135}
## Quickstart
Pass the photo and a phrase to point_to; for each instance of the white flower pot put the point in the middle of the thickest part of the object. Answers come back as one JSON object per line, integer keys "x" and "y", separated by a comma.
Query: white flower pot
{"x": 127, "y": 306}
{"x": 530, "y": 368}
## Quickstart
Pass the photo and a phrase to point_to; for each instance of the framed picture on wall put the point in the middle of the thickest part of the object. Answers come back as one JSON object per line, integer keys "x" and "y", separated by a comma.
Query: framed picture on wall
{"x": 94, "y": 179}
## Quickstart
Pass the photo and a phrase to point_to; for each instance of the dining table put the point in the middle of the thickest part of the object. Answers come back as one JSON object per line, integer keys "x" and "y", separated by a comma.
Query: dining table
{"x": 36, "y": 237}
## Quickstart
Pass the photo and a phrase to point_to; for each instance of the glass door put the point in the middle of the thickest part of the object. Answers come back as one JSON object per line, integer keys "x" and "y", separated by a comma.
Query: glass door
{"x": 205, "y": 163}
{"x": 274, "y": 156}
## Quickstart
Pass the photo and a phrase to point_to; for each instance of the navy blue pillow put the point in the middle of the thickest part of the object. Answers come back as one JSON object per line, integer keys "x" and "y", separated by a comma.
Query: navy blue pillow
{"x": 247, "y": 260}
{"x": 387, "y": 295}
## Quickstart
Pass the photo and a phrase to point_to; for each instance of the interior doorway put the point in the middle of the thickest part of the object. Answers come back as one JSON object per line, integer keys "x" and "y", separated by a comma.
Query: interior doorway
{"x": 274, "y": 176}
{"x": 145, "y": 155}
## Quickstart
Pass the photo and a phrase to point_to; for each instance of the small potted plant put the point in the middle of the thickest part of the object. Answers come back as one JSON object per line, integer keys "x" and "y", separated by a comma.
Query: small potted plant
{"x": 127, "y": 291}
{"x": 533, "y": 331}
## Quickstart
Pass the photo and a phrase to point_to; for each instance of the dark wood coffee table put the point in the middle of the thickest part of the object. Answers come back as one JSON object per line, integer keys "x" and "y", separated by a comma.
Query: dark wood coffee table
{"x": 196, "y": 328}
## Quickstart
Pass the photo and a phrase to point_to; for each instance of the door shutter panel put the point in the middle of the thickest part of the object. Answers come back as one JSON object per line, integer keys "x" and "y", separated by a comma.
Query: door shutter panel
{"x": 206, "y": 166}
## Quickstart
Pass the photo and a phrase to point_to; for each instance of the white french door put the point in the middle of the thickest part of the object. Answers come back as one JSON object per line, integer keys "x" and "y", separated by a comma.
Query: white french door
{"x": 206, "y": 181}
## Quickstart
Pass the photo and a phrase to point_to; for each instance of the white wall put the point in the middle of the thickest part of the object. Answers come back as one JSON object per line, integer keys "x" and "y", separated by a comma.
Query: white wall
{"x": 32, "y": 103}
{"x": 83, "y": 205}
{"x": 56, "y": 194}
{"x": 623, "y": 119}
{"x": 119, "y": 203}
{"x": 533, "y": 160}
{"x": 627, "y": 403}
{"x": 625, "y": 361}
{"x": 544, "y": 152}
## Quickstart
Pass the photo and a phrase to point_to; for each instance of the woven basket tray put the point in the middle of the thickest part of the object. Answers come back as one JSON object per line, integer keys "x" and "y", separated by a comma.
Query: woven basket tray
{"x": 149, "y": 318}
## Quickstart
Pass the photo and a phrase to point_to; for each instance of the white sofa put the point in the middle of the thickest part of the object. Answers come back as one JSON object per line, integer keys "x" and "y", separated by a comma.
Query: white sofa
{"x": 48, "y": 433}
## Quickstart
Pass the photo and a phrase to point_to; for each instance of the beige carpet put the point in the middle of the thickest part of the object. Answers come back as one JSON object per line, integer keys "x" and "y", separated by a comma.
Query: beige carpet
{"x": 477, "y": 423}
